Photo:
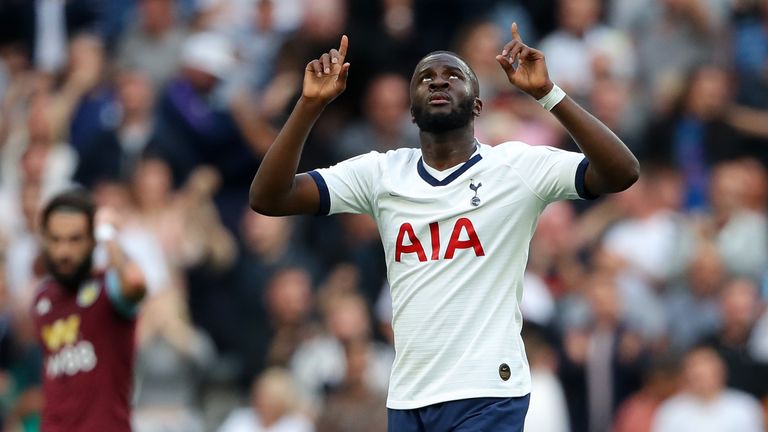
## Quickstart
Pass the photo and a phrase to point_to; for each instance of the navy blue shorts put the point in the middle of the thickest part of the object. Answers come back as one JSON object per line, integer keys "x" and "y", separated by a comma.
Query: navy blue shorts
{"x": 465, "y": 415}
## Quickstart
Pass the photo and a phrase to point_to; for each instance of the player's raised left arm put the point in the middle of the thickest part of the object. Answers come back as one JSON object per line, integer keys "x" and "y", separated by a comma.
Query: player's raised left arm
{"x": 612, "y": 166}
{"x": 132, "y": 283}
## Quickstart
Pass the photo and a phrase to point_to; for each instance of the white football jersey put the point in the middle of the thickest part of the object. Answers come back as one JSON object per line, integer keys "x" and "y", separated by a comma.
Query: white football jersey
{"x": 456, "y": 249}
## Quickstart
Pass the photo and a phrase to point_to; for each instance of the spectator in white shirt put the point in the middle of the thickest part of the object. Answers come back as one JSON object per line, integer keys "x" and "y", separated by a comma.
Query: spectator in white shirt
{"x": 273, "y": 407}
{"x": 705, "y": 404}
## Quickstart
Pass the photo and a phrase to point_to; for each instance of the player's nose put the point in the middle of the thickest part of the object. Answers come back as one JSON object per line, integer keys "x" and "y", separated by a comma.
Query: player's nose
{"x": 438, "y": 83}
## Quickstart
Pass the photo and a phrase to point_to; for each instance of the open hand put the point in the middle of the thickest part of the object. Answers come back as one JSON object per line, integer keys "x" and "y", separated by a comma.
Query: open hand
{"x": 326, "y": 78}
{"x": 530, "y": 75}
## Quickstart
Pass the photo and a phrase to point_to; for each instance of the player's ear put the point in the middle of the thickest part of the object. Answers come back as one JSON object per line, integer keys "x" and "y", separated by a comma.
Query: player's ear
{"x": 478, "y": 108}
{"x": 413, "y": 117}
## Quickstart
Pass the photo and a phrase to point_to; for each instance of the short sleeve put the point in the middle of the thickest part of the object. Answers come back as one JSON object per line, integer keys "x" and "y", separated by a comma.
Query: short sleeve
{"x": 349, "y": 186}
{"x": 555, "y": 174}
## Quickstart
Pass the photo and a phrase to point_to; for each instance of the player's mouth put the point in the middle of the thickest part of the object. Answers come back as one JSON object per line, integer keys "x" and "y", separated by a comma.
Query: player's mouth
{"x": 439, "y": 99}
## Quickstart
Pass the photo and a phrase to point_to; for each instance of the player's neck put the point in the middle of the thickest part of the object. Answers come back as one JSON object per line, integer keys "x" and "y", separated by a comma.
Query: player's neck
{"x": 446, "y": 149}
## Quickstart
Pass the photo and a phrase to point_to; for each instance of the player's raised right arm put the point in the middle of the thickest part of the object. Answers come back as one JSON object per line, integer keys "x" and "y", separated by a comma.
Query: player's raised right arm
{"x": 276, "y": 190}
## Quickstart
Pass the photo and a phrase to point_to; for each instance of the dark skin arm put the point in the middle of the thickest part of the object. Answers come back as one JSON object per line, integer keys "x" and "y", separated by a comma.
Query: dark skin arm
{"x": 276, "y": 190}
{"x": 612, "y": 166}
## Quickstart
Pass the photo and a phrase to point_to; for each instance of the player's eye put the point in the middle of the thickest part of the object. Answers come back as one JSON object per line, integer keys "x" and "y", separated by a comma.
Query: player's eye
{"x": 453, "y": 76}
{"x": 426, "y": 79}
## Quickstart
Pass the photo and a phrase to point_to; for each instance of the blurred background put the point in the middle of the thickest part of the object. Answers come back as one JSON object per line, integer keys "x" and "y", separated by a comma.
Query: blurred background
{"x": 639, "y": 307}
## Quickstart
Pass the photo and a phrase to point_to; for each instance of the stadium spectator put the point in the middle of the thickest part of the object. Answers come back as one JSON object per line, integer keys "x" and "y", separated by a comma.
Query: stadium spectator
{"x": 740, "y": 308}
{"x": 20, "y": 365}
{"x": 691, "y": 32}
{"x": 153, "y": 43}
{"x": 583, "y": 49}
{"x": 362, "y": 254}
{"x": 114, "y": 152}
{"x": 259, "y": 39}
{"x": 478, "y": 44}
{"x": 289, "y": 304}
{"x": 705, "y": 404}
{"x": 171, "y": 365}
{"x": 548, "y": 411}
{"x": 650, "y": 246}
{"x": 44, "y": 28}
{"x": 637, "y": 413}
{"x": 612, "y": 100}
{"x": 603, "y": 363}
{"x": 269, "y": 244}
{"x": 737, "y": 220}
{"x": 184, "y": 221}
{"x": 23, "y": 249}
{"x": 201, "y": 128}
{"x": 387, "y": 124}
{"x": 692, "y": 309}
{"x": 352, "y": 406}
{"x": 138, "y": 241}
{"x": 274, "y": 407}
{"x": 33, "y": 152}
{"x": 319, "y": 363}
{"x": 693, "y": 136}
{"x": 79, "y": 96}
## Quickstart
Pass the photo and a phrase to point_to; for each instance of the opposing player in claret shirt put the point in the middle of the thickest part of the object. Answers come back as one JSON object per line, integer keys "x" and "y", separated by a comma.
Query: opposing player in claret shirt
{"x": 455, "y": 218}
{"x": 85, "y": 320}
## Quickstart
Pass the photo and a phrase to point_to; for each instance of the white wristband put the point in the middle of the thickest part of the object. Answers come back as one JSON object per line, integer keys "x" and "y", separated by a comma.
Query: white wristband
{"x": 552, "y": 98}
{"x": 105, "y": 232}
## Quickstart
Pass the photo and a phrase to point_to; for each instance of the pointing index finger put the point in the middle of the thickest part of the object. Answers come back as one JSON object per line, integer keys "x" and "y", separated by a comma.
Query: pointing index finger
{"x": 516, "y": 33}
{"x": 343, "y": 49}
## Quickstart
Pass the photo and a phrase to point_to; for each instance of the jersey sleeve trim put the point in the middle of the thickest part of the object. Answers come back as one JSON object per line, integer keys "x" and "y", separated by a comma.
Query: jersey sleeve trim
{"x": 325, "y": 196}
{"x": 581, "y": 181}
{"x": 123, "y": 306}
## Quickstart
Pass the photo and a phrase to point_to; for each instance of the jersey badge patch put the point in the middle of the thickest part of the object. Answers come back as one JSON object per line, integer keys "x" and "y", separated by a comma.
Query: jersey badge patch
{"x": 43, "y": 306}
{"x": 475, "y": 201}
{"x": 88, "y": 294}
{"x": 504, "y": 371}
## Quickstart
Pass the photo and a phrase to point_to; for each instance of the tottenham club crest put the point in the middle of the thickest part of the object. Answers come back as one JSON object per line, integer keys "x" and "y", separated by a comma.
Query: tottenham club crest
{"x": 475, "y": 201}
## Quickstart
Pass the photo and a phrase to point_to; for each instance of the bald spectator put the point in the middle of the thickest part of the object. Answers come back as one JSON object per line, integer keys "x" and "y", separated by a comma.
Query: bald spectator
{"x": 705, "y": 404}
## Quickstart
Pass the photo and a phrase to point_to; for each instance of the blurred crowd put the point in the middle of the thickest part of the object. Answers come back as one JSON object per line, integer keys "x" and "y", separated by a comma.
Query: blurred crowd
{"x": 644, "y": 311}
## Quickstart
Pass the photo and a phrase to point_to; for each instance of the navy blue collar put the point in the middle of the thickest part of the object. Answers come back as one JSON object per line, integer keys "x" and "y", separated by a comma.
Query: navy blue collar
{"x": 453, "y": 176}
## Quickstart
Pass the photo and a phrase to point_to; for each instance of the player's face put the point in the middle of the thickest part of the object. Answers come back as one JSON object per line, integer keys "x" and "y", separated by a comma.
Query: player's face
{"x": 442, "y": 94}
{"x": 68, "y": 246}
